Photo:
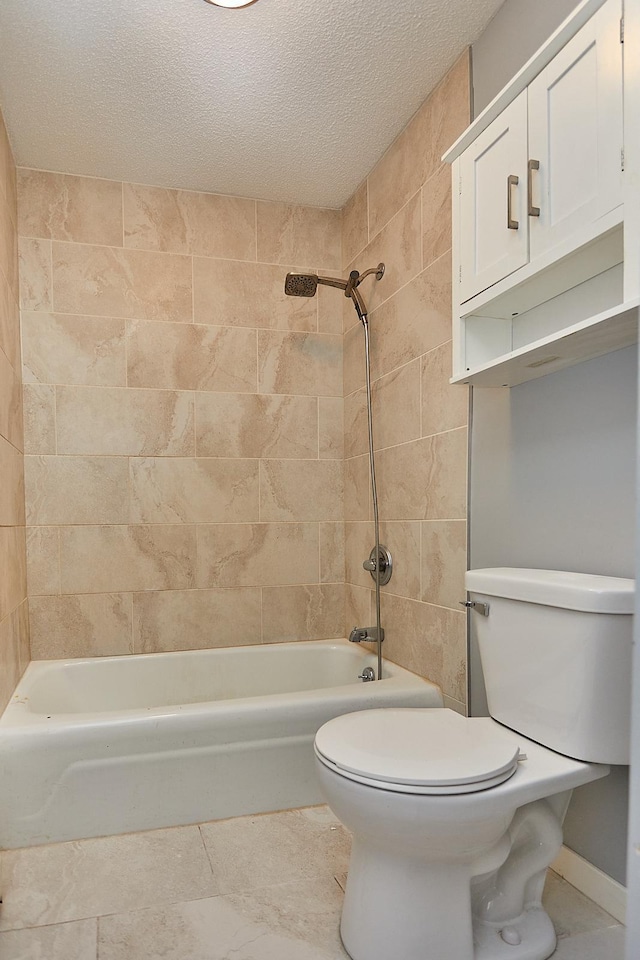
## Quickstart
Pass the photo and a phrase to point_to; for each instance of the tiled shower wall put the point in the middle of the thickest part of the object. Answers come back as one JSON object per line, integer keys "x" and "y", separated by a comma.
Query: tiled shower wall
{"x": 183, "y": 419}
{"x": 14, "y": 622}
{"x": 401, "y": 215}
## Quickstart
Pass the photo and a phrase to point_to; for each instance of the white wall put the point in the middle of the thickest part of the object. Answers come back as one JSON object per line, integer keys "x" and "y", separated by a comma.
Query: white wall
{"x": 553, "y": 461}
{"x": 553, "y": 486}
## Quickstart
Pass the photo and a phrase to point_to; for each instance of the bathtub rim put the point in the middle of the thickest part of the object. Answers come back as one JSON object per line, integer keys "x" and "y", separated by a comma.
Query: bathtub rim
{"x": 18, "y": 718}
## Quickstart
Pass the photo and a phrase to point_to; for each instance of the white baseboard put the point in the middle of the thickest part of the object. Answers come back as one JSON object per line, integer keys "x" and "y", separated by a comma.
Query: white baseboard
{"x": 598, "y": 886}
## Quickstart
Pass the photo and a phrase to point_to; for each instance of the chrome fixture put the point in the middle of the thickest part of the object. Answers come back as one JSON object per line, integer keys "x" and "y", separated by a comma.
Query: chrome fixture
{"x": 366, "y": 635}
{"x": 305, "y": 285}
{"x": 481, "y": 608}
{"x": 384, "y": 563}
{"x": 367, "y": 674}
{"x": 512, "y": 181}
{"x": 532, "y": 210}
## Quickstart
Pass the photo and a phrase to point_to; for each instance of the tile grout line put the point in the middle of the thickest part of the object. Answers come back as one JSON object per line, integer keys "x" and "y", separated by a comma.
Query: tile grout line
{"x": 184, "y": 324}
{"x": 157, "y": 186}
{"x": 402, "y": 287}
{"x": 206, "y": 851}
{"x": 184, "y": 254}
{"x": 177, "y": 458}
{"x": 181, "y": 390}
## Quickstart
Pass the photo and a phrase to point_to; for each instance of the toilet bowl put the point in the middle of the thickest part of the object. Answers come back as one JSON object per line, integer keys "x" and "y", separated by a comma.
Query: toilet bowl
{"x": 455, "y": 820}
{"x": 425, "y": 835}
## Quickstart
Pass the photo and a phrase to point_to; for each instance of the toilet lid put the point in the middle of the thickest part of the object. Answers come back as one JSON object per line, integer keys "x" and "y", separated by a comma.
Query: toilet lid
{"x": 418, "y": 750}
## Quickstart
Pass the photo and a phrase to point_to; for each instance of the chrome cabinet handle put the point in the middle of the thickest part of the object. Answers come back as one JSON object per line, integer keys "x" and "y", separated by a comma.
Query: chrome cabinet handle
{"x": 512, "y": 181}
{"x": 531, "y": 166}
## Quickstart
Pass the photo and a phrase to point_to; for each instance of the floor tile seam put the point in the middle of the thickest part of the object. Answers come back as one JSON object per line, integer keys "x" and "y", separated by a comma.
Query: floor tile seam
{"x": 45, "y": 926}
{"x": 107, "y": 836}
{"x": 162, "y": 904}
{"x": 587, "y": 933}
{"x": 201, "y": 835}
{"x": 158, "y": 904}
{"x": 230, "y": 894}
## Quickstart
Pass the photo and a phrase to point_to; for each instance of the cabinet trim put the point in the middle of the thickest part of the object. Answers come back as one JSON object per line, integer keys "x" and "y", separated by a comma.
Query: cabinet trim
{"x": 551, "y": 258}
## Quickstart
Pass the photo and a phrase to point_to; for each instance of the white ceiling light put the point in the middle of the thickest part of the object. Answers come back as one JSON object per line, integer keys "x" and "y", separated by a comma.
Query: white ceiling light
{"x": 231, "y": 3}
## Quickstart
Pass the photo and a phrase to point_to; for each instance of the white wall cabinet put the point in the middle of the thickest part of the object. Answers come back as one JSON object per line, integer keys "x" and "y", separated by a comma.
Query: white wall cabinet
{"x": 539, "y": 197}
{"x": 549, "y": 165}
{"x": 494, "y": 239}
{"x": 576, "y": 134}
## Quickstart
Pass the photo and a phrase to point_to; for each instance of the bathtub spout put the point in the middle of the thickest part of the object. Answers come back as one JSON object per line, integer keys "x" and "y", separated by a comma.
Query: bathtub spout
{"x": 366, "y": 635}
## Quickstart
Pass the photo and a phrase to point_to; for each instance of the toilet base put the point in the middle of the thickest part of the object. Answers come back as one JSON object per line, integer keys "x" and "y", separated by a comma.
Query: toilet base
{"x": 413, "y": 918}
{"x": 533, "y": 929}
{"x": 482, "y": 907}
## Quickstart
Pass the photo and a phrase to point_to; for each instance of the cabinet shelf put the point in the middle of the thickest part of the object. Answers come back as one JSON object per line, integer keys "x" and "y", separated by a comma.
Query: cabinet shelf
{"x": 612, "y": 329}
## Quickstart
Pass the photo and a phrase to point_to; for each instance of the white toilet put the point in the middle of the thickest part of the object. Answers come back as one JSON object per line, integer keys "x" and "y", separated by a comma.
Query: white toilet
{"x": 456, "y": 820}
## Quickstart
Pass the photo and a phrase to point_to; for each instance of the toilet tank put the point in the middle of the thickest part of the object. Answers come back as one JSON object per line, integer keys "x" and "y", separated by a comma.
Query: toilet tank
{"x": 556, "y": 655}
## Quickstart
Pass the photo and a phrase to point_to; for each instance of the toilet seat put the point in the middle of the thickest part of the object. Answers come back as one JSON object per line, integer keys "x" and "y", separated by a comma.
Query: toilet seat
{"x": 418, "y": 750}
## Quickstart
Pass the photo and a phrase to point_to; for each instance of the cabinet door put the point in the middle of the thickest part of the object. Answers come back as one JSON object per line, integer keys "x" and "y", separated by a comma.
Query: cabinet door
{"x": 575, "y": 133}
{"x": 493, "y": 210}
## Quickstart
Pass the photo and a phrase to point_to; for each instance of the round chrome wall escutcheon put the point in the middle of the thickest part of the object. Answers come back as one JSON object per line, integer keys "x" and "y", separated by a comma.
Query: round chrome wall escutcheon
{"x": 384, "y": 561}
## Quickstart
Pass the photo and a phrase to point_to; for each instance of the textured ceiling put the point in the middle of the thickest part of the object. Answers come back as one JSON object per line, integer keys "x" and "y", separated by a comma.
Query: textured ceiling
{"x": 284, "y": 100}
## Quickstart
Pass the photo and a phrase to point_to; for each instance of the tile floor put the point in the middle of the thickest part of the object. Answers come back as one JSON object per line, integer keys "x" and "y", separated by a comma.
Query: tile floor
{"x": 252, "y": 888}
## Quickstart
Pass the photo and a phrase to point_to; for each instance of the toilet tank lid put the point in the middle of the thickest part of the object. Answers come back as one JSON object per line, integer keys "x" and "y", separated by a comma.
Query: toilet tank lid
{"x": 555, "y": 588}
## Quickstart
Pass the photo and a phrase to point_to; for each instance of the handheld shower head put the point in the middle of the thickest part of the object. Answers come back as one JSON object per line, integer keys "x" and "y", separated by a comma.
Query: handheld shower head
{"x": 301, "y": 284}
{"x": 306, "y": 285}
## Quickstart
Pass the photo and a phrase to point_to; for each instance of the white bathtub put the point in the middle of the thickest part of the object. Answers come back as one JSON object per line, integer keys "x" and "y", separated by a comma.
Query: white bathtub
{"x": 115, "y": 744}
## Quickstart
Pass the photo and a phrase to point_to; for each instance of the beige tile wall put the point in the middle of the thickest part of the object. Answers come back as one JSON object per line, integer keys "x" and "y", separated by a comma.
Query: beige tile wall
{"x": 194, "y": 441}
{"x": 401, "y": 215}
{"x": 14, "y": 621}
{"x": 184, "y": 424}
